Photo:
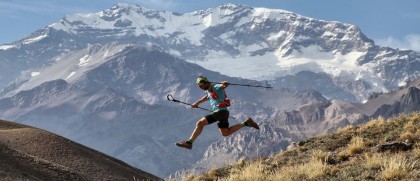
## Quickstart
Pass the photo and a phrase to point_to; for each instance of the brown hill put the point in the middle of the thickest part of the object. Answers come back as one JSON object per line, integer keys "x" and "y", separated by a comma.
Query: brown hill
{"x": 28, "y": 153}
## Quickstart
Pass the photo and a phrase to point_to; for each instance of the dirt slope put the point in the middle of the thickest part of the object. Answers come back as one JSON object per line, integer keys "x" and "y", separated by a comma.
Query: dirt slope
{"x": 28, "y": 153}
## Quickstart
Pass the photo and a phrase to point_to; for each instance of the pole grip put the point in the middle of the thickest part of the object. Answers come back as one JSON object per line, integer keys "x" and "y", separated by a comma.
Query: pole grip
{"x": 169, "y": 97}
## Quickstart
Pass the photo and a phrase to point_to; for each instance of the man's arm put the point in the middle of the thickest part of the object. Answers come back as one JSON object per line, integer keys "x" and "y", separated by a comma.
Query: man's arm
{"x": 203, "y": 99}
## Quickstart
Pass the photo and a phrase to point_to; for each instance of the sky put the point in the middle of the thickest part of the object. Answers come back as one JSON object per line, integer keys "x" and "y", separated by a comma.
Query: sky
{"x": 393, "y": 23}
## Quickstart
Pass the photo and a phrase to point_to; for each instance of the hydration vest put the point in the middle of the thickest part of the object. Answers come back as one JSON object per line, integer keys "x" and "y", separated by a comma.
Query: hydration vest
{"x": 224, "y": 103}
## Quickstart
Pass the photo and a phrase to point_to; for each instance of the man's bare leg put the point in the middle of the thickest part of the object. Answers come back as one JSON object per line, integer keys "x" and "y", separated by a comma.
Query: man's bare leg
{"x": 198, "y": 128}
{"x": 197, "y": 131}
{"x": 230, "y": 130}
{"x": 248, "y": 122}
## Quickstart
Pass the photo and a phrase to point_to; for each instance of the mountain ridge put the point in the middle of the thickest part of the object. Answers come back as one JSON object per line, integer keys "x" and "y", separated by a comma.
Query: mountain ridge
{"x": 281, "y": 42}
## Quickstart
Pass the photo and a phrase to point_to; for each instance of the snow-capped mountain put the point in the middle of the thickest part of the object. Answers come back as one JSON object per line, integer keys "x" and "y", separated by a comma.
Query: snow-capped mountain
{"x": 102, "y": 78}
{"x": 234, "y": 40}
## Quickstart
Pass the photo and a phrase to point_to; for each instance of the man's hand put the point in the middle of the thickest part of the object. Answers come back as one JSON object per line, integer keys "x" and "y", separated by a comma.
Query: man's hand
{"x": 225, "y": 84}
{"x": 203, "y": 99}
{"x": 195, "y": 105}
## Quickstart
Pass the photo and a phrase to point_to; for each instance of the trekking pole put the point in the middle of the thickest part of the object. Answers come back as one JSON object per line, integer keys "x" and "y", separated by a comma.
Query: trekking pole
{"x": 171, "y": 98}
{"x": 267, "y": 87}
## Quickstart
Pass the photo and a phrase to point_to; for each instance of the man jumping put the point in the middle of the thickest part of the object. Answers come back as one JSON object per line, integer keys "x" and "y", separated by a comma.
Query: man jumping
{"x": 219, "y": 106}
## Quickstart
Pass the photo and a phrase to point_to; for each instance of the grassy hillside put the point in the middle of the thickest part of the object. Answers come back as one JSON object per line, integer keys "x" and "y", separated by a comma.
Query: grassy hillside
{"x": 378, "y": 150}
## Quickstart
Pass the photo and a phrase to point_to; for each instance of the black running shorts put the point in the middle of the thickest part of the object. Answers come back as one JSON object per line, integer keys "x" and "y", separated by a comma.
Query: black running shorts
{"x": 221, "y": 116}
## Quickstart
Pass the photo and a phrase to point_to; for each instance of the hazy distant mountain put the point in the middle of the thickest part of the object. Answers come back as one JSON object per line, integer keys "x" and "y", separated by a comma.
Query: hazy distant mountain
{"x": 28, "y": 153}
{"x": 117, "y": 104}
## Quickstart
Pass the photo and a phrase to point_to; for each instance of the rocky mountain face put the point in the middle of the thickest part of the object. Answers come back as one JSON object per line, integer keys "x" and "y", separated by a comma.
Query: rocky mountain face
{"x": 335, "y": 114}
{"x": 101, "y": 79}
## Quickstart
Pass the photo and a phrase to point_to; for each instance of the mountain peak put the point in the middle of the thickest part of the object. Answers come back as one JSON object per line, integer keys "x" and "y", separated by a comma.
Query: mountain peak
{"x": 126, "y": 8}
{"x": 231, "y": 6}
{"x": 122, "y": 5}
{"x": 121, "y": 9}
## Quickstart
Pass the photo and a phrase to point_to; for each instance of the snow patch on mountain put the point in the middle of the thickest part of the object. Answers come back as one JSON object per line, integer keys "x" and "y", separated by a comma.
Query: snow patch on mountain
{"x": 34, "y": 39}
{"x": 65, "y": 67}
{"x": 334, "y": 64}
{"x": 256, "y": 68}
{"x": 5, "y": 47}
{"x": 207, "y": 21}
{"x": 33, "y": 74}
{"x": 276, "y": 36}
{"x": 136, "y": 20}
{"x": 71, "y": 75}
{"x": 261, "y": 67}
{"x": 262, "y": 14}
{"x": 84, "y": 60}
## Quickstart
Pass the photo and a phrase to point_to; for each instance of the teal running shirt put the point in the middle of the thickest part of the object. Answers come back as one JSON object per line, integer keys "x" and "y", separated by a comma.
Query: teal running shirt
{"x": 216, "y": 95}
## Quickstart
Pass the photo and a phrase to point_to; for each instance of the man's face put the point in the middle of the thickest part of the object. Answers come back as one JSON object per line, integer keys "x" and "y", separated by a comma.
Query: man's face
{"x": 204, "y": 85}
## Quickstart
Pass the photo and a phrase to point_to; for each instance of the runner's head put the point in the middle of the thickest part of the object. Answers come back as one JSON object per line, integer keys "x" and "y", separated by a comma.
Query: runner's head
{"x": 203, "y": 82}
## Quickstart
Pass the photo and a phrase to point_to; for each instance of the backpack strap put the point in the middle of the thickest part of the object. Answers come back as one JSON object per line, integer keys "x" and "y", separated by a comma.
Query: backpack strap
{"x": 225, "y": 102}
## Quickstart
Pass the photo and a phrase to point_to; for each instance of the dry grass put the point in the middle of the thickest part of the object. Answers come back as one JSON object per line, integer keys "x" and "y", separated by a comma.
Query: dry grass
{"x": 373, "y": 161}
{"x": 378, "y": 122}
{"x": 321, "y": 155}
{"x": 251, "y": 171}
{"x": 345, "y": 129}
{"x": 408, "y": 135}
{"x": 411, "y": 131}
{"x": 346, "y": 155}
{"x": 416, "y": 151}
{"x": 357, "y": 145}
{"x": 311, "y": 170}
{"x": 397, "y": 168}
